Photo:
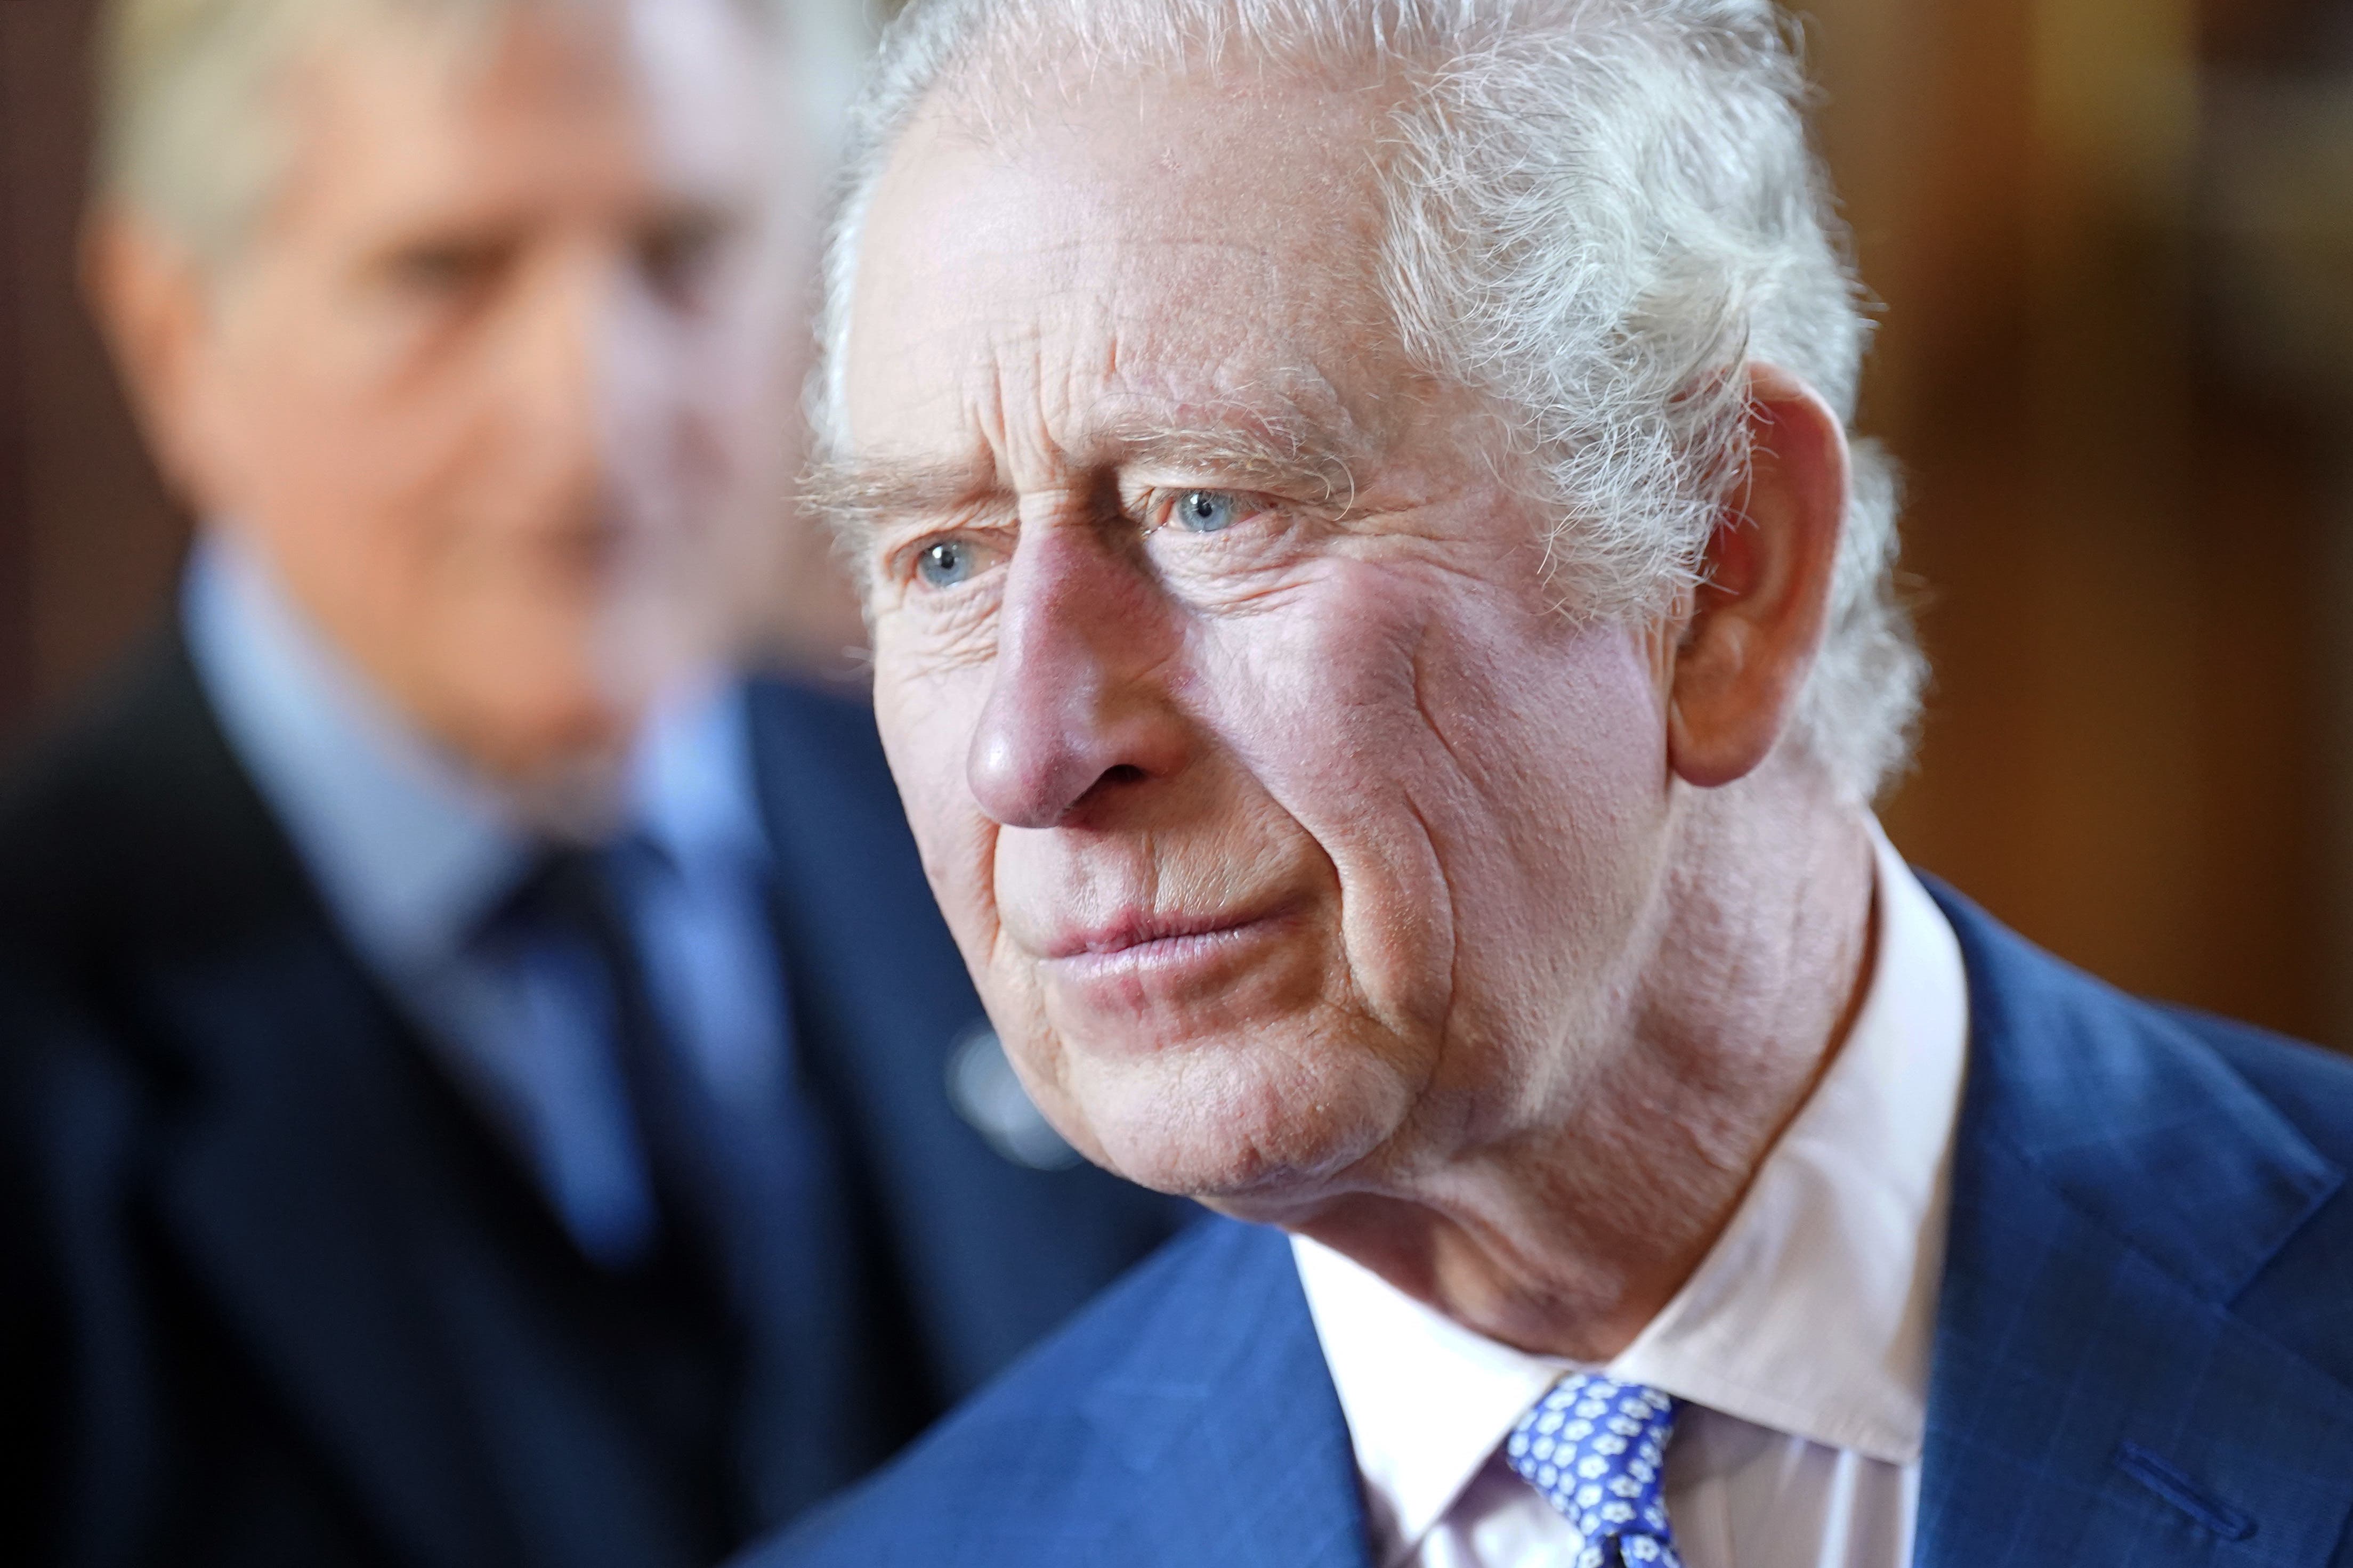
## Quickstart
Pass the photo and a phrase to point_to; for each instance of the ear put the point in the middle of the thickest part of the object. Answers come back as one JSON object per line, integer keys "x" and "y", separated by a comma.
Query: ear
{"x": 1757, "y": 621}
{"x": 154, "y": 306}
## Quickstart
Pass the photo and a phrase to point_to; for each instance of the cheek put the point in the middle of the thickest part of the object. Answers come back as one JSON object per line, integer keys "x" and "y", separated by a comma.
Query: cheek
{"x": 278, "y": 427}
{"x": 332, "y": 490}
{"x": 1564, "y": 768}
{"x": 1462, "y": 760}
{"x": 926, "y": 720}
{"x": 1550, "y": 830}
{"x": 340, "y": 446}
{"x": 1318, "y": 703}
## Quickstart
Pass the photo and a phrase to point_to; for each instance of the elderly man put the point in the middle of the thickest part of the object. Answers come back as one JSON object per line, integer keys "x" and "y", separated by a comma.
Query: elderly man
{"x": 1387, "y": 645}
{"x": 479, "y": 1090}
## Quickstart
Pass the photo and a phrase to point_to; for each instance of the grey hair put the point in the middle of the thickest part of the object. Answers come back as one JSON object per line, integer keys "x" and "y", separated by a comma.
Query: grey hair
{"x": 191, "y": 135}
{"x": 1598, "y": 212}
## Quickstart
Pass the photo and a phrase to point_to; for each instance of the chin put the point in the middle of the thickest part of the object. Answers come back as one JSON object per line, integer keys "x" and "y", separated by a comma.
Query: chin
{"x": 555, "y": 741}
{"x": 1245, "y": 1127}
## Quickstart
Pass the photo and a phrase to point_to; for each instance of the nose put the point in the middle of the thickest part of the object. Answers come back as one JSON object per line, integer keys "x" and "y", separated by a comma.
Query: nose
{"x": 592, "y": 379}
{"x": 1078, "y": 711}
{"x": 557, "y": 367}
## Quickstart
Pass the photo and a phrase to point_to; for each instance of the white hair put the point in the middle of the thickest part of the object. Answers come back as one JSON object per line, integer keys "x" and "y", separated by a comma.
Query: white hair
{"x": 1598, "y": 212}
{"x": 192, "y": 135}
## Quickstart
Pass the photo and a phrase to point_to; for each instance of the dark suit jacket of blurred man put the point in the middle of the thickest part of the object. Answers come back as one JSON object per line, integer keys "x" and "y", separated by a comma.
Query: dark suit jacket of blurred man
{"x": 274, "y": 1293}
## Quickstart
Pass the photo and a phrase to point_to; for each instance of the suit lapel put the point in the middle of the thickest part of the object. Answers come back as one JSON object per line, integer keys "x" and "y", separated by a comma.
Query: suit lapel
{"x": 2092, "y": 1400}
{"x": 303, "y": 1117}
{"x": 290, "y": 1192}
{"x": 1225, "y": 1418}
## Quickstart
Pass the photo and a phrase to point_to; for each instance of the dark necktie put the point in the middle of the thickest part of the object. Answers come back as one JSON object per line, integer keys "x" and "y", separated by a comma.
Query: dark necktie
{"x": 672, "y": 1352}
{"x": 758, "y": 1254}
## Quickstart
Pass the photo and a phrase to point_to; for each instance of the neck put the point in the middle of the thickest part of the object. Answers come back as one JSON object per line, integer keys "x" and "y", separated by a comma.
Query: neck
{"x": 1567, "y": 1236}
{"x": 583, "y": 797}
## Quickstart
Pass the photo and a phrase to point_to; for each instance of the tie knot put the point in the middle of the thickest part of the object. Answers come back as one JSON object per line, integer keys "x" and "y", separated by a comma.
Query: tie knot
{"x": 573, "y": 888}
{"x": 1597, "y": 1449}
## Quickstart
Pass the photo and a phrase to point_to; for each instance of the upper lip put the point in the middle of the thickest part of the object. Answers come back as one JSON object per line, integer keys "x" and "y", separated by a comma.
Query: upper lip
{"x": 1135, "y": 928}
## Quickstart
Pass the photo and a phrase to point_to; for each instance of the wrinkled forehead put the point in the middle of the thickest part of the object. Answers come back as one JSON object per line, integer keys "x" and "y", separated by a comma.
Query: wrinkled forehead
{"x": 1164, "y": 249}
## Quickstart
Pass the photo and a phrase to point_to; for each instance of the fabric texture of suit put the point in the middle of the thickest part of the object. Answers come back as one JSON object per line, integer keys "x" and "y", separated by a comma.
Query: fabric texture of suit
{"x": 271, "y": 1292}
{"x": 2144, "y": 1351}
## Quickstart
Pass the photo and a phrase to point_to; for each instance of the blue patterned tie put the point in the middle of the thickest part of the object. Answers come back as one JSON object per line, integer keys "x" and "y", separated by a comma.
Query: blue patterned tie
{"x": 1597, "y": 1449}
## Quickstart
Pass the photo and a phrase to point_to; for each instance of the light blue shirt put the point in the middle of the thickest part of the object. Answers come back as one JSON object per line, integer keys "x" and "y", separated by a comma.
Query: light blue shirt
{"x": 412, "y": 853}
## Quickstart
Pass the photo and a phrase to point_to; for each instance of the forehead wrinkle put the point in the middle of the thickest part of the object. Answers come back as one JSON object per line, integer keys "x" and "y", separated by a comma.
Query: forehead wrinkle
{"x": 860, "y": 494}
{"x": 1288, "y": 425}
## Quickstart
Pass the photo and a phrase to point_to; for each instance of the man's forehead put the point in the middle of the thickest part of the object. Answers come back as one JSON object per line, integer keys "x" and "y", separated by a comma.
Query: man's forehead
{"x": 1233, "y": 153}
{"x": 1096, "y": 286}
{"x": 610, "y": 95}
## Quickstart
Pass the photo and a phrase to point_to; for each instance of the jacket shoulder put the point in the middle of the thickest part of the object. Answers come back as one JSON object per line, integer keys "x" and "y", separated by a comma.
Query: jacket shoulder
{"x": 2311, "y": 1085}
{"x": 68, "y": 796}
{"x": 2214, "y": 1149}
{"x": 132, "y": 828}
{"x": 2073, "y": 1063}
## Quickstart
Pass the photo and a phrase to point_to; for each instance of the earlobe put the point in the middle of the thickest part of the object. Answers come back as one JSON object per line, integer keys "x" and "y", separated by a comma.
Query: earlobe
{"x": 1756, "y": 620}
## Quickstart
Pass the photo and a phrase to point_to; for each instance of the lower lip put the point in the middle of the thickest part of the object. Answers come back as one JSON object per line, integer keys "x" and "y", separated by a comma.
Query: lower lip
{"x": 1193, "y": 955}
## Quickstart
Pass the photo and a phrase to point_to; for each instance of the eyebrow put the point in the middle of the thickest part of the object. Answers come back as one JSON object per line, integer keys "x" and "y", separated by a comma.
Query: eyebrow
{"x": 1280, "y": 451}
{"x": 1283, "y": 451}
{"x": 857, "y": 496}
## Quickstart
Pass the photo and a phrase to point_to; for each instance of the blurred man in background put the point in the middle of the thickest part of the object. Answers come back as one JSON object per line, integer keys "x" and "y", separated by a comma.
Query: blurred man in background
{"x": 482, "y": 1085}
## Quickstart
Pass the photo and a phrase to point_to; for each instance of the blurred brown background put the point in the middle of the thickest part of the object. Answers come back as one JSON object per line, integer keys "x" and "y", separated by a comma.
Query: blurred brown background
{"x": 2115, "y": 239}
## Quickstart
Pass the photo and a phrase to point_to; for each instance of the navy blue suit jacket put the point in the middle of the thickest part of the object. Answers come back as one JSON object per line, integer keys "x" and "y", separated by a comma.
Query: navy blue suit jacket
{"x": 271, "y": 1293}
{"x": 2144, "y": 1351}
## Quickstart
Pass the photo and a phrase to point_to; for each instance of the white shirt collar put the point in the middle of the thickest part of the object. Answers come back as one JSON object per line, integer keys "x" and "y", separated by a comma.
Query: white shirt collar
{"x": 1811, "y": 1315}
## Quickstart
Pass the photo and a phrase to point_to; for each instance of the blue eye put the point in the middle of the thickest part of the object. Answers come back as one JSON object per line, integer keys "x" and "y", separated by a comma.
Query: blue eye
{"x": 1206, "y": 511}
{"x": 945, "y": 563}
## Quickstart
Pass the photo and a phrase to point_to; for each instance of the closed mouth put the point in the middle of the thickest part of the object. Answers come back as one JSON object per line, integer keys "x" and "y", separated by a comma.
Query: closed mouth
{"x": 1147, "y": 936}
